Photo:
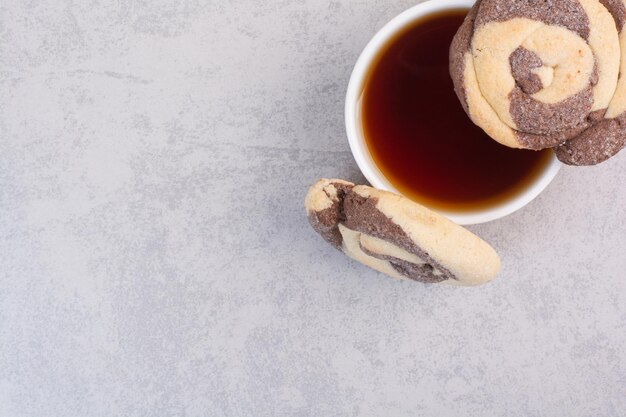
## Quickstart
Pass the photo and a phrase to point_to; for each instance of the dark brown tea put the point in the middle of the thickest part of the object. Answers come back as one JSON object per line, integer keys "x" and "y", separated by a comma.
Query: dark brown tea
{"x": 419, "y": 135}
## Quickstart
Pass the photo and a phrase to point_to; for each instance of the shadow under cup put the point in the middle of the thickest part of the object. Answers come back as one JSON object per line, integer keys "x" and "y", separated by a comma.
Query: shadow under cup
{"x": 410, "y": 135}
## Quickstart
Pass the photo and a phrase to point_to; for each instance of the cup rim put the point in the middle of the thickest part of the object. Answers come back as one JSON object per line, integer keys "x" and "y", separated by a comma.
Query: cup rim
{"x": 359, "y": 147}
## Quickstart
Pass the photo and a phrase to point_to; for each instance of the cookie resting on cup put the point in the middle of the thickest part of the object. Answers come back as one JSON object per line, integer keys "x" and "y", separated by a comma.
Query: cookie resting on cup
{"x": 536, "y": 75}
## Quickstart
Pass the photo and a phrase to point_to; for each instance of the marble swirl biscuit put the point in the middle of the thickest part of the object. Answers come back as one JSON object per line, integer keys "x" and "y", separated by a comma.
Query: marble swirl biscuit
{"x": 398, "y": 237}
{"x": 607, "y": 135}
{"x": 537, "y": 74}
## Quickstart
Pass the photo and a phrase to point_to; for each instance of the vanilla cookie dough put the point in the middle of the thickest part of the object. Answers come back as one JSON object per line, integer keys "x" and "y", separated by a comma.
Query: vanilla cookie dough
{"x": 540, "y": 74}
{"x": 398, "y": 237}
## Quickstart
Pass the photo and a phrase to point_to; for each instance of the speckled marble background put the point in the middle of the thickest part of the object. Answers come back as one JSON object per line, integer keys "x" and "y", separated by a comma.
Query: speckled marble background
{"x": 155, "y": 259}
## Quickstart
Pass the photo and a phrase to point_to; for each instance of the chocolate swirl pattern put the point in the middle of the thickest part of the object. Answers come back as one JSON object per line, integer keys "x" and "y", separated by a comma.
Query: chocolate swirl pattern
{"x": 398, "y": 237}
{"x": 539, "y": 74}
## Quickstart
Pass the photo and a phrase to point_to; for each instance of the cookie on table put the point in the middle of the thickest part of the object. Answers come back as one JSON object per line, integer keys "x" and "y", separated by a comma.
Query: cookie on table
{"x": 398, "y": 237}
{"x": 540, "y": 74}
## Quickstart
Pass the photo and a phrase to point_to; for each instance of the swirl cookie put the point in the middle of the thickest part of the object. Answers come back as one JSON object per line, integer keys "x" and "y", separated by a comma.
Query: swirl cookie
{"x": 539, "y": 74}
{"x": 607, "y": 135}
{"x": 398, "y": 237}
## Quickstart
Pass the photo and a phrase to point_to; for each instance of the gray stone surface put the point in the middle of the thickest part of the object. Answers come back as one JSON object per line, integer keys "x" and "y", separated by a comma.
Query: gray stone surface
{"x": 155, "y": 258}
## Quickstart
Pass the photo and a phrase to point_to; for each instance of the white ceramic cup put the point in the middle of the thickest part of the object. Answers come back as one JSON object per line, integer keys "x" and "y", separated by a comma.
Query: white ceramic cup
{"x": 355, "y": 128}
